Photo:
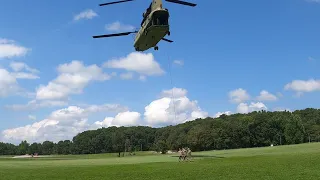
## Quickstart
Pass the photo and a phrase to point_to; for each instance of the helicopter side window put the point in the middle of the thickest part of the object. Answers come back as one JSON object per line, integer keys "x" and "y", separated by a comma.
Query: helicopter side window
{"x": 160, "y": 19}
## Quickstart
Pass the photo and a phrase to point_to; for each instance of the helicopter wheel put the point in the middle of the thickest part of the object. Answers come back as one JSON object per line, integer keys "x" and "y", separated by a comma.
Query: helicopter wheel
{"x": 156, "y": 48}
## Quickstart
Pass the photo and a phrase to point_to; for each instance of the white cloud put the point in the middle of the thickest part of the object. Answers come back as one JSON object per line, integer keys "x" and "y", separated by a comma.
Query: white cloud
{"x": 218, "y": 114}
{"x": 178, "y": 62}
{"x": 167, "y": 111}
{"x": 19, "y": 66}
{"x": 23, "y": 75}
{"x": 301, "y": 86}
{"x": 8, "y": 83}
{"x": 175, "y": 92}
{"x": 32, "y": 117}
{"x": 87, "y": 14}
{"x": 126, "y": 76}
{"x": 9, "y": 49}
{"x": 238, "y": 96}
{"x": 266, "y": 96}
{"x": 72, "y": 79}
{"x": 119, "y": 27}
{"x": 36, "y": 104}
{"x": 142, "y": 63}
{"x": 127, "y": 118}
{"x": 62, "y": 124}
{"x": 245, "y": 108}
{"x": 66, "y": 123}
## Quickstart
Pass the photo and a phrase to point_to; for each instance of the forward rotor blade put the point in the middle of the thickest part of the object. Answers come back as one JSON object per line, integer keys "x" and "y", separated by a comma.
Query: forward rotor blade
{"x": 182, "y": 2}
{"x": 112, "y": 35}
{"x": 167, "y": 40}
{"x": 115, "y": 2}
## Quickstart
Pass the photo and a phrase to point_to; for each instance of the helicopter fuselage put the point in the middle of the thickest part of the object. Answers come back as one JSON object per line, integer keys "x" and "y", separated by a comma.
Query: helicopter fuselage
{"x": 154, "y": 27}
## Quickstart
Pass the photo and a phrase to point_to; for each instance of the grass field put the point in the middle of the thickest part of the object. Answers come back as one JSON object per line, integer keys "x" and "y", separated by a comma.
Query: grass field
{"x": 283, "y": 162}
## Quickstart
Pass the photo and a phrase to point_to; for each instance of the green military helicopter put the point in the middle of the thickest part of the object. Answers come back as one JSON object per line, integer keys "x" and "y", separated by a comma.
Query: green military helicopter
{"x": 154, "y": 25}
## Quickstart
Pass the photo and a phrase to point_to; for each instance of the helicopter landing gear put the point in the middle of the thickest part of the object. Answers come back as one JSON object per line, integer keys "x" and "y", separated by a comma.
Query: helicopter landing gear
{"x": 156, "y": 48}
{"x": 168, "y": 33}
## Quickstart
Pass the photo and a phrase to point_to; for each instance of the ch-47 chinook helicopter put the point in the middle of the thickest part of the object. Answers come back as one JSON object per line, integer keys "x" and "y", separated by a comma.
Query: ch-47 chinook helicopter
{"x": 154, "y": 25}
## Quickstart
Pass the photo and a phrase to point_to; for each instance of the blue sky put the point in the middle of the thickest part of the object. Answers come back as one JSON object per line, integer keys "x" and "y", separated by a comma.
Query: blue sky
{"x": 56, "y": 81}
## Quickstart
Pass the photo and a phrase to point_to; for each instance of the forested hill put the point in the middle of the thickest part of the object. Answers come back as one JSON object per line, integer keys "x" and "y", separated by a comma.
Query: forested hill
{"x": 255, "y": 129}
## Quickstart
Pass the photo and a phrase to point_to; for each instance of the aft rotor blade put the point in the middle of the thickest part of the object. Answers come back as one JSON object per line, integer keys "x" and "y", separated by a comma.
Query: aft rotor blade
{"x": 115, "y": 2}
{"x": 112, "y": 35}
{"x": 168, "y": 40}
{"x": 182, "y": 2}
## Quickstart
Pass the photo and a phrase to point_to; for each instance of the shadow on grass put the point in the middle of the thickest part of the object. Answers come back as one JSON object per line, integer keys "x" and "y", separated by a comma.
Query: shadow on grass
{"x": 202, "y": 156}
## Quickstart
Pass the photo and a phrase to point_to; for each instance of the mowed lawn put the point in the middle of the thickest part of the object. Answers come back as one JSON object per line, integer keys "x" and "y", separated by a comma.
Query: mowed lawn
{"x": 283, "y": 162}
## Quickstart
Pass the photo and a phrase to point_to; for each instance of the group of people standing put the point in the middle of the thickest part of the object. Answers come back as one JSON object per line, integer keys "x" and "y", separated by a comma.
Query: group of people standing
{"x": 184, "y": 154}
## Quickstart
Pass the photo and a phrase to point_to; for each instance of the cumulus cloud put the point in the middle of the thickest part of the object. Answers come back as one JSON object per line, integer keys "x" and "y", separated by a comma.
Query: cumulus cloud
{"x": 23, "y": 75}
{"x": 61, "y": 124}
{"x": 169, "y": 110}
{"x": 218, "y": 114}
{"x": 86, "y": 14}
{"x": 142, "y": 63}
{"x": 301, "y": 86}
{"x": 119, "y": 27}
{"x": 266, "y": 96}
{"x": 127, "y": 118}
{"x": 238, "y": 96}
{"x": 10, "y": 49}
{"x": 18, "y": 67}
{"x": 244, "y": 108}
{"x": 67, "y": 122}
{"x": 36, "y": 104}
{"x": 72, "y": 79}
{"x": 8, "y": 83}
{"x": 174, "y": 92}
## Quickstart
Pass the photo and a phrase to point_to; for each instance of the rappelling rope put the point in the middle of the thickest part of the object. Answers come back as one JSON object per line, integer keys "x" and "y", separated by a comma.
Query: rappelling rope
{"x": 172, "y": 97}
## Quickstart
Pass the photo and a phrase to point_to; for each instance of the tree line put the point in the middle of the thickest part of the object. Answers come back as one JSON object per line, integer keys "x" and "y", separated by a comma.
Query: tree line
{"x": 256, "y": 129}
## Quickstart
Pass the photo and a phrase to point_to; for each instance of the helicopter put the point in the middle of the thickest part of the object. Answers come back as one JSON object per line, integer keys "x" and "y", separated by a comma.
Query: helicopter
{"x": 154, "y": 25}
